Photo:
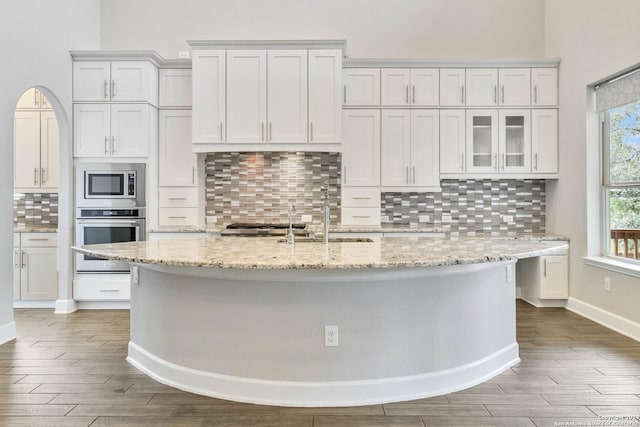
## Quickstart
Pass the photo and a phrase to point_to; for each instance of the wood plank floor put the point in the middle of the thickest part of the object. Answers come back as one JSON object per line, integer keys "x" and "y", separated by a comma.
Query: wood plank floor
{"x": 70, "y": 370}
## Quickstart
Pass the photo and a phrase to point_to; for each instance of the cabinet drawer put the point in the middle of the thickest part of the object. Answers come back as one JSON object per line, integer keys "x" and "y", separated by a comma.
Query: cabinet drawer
{"x": 178, "y": 197}
{"x": 169, "y": 217}
{"x": 360, "y": 216}
{"x": 88, "y": 291}
{"x": 365, "y": 197}
{"x": 39, "y": 239}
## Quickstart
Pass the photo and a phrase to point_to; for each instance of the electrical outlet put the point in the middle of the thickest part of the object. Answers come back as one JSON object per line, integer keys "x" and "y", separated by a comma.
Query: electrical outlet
{"x": 446, "y": 217}
{"x": 212, "y": 219}
{"x": 607, "y": 284}
{"x": 306, "y": 218}
{"x": 384, "y": 218}
{"x": 134, "y": 274}
{"x": 423, "y": 218}
{"x": 330, "y": 336}
{"x": 507, "y": 218}
{"x": 184, "y": 54}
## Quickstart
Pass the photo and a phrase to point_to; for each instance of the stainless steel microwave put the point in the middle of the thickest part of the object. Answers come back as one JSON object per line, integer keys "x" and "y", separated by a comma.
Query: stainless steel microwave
{"x": 110, "y": 185}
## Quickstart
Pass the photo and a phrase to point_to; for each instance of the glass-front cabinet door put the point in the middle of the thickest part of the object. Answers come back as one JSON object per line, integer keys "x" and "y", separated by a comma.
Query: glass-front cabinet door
{"x": 515, "y": 141}
{"x": 482, "y": 141}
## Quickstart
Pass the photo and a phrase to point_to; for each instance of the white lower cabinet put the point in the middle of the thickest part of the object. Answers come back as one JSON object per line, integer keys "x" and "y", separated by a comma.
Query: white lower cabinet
{"x": 35, "y": 275}
{"x": 178, "y": 206}
{"x": 544, "y": 279}
{"x": 102, "y": 287}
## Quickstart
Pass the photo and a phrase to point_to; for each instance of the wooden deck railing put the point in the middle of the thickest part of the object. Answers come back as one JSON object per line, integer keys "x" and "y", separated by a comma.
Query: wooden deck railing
{"x": 624, "y": 242}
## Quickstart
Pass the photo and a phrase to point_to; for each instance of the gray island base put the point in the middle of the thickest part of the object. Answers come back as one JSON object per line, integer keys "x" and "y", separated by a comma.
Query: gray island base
{"x": 433, "y": 321}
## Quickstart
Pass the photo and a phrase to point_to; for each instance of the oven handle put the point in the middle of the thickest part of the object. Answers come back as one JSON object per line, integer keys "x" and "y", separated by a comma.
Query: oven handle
{"x": 101, "y": 221}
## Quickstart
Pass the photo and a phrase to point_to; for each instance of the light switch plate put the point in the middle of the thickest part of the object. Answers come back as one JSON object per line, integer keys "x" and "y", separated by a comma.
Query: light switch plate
{"x": 306, "y": 218}
{"x": 212, "y": 219}
{"x": 384, "y": 218}
{"x": 446, "y": 217}
{"x": 184, "y": 54}
{"x": 423, "y": 218}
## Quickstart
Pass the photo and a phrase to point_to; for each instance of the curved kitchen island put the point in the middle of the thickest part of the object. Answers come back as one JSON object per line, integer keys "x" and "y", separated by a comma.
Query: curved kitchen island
{"x": 244, "y": 318}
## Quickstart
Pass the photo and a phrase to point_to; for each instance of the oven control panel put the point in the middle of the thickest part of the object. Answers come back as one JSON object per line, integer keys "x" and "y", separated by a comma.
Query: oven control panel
{"x": 111, "y": 213}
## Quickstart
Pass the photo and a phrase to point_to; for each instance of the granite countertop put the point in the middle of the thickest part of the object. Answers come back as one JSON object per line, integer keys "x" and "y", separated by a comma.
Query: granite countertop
{"x": 268, "y": 253}
{"x": 338, "y": 229}
{"x": 35, "y": 229}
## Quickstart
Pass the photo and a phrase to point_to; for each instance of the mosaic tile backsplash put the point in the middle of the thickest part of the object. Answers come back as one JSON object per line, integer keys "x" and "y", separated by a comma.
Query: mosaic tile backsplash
{"x": 475, "y": 206}
{"x": 260, "y": 187}
{"x": 35, "y": 209}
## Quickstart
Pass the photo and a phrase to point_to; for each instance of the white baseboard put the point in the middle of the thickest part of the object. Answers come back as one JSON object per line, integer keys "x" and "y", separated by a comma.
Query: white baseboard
{"x": 605, "y": 318}
{"x": 7, "y": 332}
{"x": 545, "y": 303}
{"x": 34, "y": 304}
{"x": 104, "y": 305}
{"x": 65, "y": 306}
{"x": 323, "y": 393}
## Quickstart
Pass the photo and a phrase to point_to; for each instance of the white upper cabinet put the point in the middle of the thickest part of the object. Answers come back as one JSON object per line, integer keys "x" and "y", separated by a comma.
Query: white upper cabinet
{"x": 209, "y": 79}
{"x": 287, "y": 96}
{"x": 515, "y": 141}
{"x": 26, "y": 137}
{"x": 482, "y": 87}
{"x": 395, "y": 86}
{"x": 176, "y": 162}
{"x": 49, "y": 151}
{"x": 175, "y": 87}
{"x": 404, "y": 86}
{"x": 246, "y": 96}
{"x": 425, "y": 87}
{"x": 410, "y": 149}
{"x": 544, "y": 141}
{"x": 482, "y": 141}
{"x": 361, "y": 86}
{"x": 325, "y": 96}
{"x": 452, "y": 86}
{"x": 361, "y": 147}
{"x": 452, "y": 141}
{"x": 111, "y": 130}
{"x": 544, "y": 86}
{"x": 33, "y": 99}
{"x": 117, "y": 81}
{"x": 515, "y": 86}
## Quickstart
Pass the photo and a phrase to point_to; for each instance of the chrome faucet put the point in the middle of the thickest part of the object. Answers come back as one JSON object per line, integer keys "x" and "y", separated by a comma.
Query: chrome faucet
{"x": 290, "y": 236}
{"x": 325, "y": 209}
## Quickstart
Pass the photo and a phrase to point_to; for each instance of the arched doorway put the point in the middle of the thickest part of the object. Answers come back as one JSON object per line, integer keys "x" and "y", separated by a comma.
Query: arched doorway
{"x": 43, "y": 196}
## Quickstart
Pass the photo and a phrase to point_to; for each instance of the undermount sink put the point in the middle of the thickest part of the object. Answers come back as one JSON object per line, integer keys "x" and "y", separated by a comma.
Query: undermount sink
{"x": 331, "y": 240}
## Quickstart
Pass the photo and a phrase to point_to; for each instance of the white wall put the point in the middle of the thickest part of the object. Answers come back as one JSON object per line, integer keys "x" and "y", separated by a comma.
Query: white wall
{"x": 35, "y": 39}
{"x": 373, "y": 28}
{"x": 595, "y": 39}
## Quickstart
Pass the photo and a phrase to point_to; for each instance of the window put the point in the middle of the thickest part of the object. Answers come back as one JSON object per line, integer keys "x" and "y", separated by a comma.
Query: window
{"x": 621, "y": 180}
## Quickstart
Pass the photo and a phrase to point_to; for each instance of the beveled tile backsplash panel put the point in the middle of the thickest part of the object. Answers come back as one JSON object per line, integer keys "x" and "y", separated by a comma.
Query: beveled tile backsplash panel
{"x": 260, "y": 187}
{"x": 35, "y": 209}
{"x": 475, "y": 206}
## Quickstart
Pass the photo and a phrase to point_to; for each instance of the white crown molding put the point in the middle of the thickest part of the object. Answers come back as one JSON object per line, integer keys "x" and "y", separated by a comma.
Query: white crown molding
{"x": 450, "y": 62}
{"x": 269, "y": 44}
{"x": 130, "y": 55}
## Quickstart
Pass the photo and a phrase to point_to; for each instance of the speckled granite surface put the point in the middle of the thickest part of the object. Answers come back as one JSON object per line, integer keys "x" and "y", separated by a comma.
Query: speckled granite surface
{"x": 340, "y": 229}
{"x": 268, "y": 253}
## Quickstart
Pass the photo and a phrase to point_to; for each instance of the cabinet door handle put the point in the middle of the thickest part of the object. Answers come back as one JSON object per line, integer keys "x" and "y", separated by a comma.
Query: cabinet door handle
{"x": 106, "y": 145}
{"x": 177, "y": 198}
{"x": 414, "y": 94}
{"x": 503, "y": 160}
{"x": 344, "y": 174}
{"x": 23, "y": 258}
{"x": 262, "y": 132}
{"x": 193, "y": 175}
{"x": 270, "y": 132}
{"x": 105, "y": 88}
{"x": 495, "y": 161}
{"x": 535, "y": 94}
{"x": 40, "y": 239}
{"x": 177, "y": 217}
{"x": 109, "y": 290}
{"x": 535, "y": 161}
{"x": 414, "y": 174}
{"x": 43, "y": 101}
{"x": 113, "y": 144}
{"x": 502, "y": 94}
{"x": 221, "y": 132}
{"x": 495, "y": 94}
{"x": 406, "y": 94}
{"x": 361, "y": 198}
{"x": 35, "y": 176}
{"x": 362, "y": 216}
{"x": 311, "y": 132}
{"x": 16, "y": 256}
{"x": 462, "y": 94}
{"x": 35, "y": 98}
{"x": 344, "y": 94}
{"x": 545, "y": 268}
{"x": 43, "y": 176}
{"x": 407, "y": 174}
{"x": 113, "y": 89}
{"x": 462, "y": 162}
